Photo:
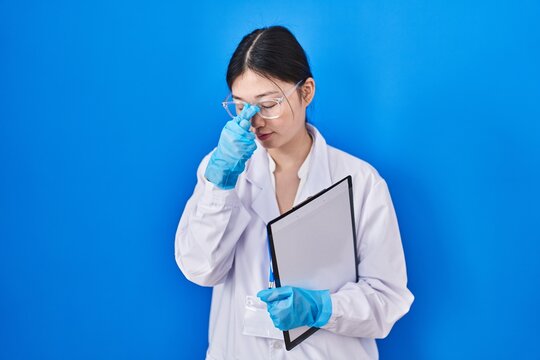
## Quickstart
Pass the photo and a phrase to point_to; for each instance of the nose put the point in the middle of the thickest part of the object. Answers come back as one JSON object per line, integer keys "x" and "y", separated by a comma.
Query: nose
{"x": 257, "y": 121}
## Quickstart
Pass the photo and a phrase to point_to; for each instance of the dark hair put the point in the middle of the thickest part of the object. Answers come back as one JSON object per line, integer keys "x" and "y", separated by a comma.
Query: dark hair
{"x": 270, "y": 52}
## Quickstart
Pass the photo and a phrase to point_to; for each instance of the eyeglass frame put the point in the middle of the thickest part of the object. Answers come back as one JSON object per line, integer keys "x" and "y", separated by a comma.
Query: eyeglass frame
{"x": 278, "y": 101}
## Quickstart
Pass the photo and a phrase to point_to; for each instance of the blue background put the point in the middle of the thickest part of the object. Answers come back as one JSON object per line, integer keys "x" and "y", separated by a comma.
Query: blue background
{"x": 107, "y": 107}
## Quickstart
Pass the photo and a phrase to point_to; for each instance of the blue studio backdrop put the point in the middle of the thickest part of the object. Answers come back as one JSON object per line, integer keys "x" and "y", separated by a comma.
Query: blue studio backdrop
{"x": 107, "y": 107}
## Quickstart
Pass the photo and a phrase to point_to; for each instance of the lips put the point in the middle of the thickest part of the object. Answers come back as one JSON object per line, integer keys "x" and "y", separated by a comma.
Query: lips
{"x": 264, "y": 136}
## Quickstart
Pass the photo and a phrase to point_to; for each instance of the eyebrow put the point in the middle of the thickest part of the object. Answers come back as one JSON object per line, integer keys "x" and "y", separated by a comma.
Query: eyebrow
{"x": 258, "y": 96}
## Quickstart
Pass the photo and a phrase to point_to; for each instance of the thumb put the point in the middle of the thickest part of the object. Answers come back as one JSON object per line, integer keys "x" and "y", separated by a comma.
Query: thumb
{"x": 269, "y": 295}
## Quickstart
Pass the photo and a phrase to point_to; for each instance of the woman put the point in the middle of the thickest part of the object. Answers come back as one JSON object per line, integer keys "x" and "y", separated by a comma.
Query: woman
{"x": 268, "y": 159}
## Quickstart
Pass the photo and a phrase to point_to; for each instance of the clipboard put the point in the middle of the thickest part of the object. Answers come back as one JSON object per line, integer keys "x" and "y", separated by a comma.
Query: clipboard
{"x": 313, "y": 246}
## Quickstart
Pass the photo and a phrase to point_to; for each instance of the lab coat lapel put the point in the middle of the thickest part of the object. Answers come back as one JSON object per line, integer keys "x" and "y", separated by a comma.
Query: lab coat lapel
{"x": 263, "y": 197}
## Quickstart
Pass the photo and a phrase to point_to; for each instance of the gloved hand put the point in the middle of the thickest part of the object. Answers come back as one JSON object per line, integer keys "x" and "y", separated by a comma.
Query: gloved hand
{"x": 236, "y": 145}
{"x": 291, "y": 307}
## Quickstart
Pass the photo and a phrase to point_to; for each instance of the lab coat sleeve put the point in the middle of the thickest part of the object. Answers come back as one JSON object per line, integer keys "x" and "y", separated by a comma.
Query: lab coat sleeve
{"x": 370, "y": 307}
{"x": 209, "y": 228}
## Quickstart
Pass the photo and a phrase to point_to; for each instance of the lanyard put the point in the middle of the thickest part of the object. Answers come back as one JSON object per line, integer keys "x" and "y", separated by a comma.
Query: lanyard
{"x": 271, "y": 282}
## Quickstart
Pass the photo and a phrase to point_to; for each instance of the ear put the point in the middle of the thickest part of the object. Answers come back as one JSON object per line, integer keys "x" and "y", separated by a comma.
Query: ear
{"x": 308, "y": 91}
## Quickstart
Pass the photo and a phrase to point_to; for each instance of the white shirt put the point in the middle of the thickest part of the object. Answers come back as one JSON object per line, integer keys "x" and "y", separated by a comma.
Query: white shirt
{"x": 221, "y": 242}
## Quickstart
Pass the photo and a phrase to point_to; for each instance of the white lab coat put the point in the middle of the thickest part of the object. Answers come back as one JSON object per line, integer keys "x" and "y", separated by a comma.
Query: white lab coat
{"x": 221, "y": 242}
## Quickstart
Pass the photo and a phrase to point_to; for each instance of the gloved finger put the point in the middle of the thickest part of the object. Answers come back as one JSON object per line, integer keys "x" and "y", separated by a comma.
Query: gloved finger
{"x": 245, "y": 124}
{"x": 264, "y": 294}
{"x": 234, "y": 127}
{"x": 247, "y": 112}
{"x": 248, "y": 150}
{"x": 269, "y": 295}
{"x": 281, "y": 314}
{"x": 277, "y": 321}
{"x": 236, "y": 146}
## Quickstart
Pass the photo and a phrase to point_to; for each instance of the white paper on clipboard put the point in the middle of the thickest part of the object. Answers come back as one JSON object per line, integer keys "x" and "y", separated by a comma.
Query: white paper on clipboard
{"x": 314, "y": 246}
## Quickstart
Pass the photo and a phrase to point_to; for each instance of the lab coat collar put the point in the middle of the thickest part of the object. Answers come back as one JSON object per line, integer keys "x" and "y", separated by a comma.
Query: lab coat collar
{"x": 258, "y": 174}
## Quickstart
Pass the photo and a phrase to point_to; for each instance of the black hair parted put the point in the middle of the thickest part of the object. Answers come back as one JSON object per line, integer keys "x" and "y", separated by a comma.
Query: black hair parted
{"x": 271, "y": 52}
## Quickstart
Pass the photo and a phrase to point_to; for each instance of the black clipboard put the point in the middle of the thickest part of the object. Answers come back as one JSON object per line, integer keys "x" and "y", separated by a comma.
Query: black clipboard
{"x": 315, "y": 200}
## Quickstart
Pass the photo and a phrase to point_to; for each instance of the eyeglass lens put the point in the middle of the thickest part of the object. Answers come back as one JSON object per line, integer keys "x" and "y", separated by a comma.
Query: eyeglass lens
{"x": 268, "y": 108}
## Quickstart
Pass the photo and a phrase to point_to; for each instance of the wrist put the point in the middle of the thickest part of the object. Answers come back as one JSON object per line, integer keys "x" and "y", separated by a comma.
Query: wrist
{"x": 224, "y": 179}
{"x": 325, "y": 310}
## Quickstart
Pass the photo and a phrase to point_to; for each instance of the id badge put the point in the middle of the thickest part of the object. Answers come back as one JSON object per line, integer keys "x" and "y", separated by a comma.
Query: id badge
{"x": 257, "y": 321}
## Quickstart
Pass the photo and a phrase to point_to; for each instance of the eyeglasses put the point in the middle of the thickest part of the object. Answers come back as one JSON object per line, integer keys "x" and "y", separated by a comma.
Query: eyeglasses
{"x": 270, "y": 108}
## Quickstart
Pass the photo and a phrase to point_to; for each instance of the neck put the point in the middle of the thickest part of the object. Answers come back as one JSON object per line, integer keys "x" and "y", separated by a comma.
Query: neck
{"x": 292, "y": 155}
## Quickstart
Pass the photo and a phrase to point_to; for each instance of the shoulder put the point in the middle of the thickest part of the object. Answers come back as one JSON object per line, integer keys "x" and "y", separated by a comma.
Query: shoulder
{"x": 369, "y": 187}
{"x": 342, "y": 164}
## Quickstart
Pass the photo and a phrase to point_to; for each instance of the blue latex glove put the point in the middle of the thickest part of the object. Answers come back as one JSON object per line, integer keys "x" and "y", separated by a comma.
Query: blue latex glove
{"x": 236, "y": 145}
{"x": 291, "y": 307}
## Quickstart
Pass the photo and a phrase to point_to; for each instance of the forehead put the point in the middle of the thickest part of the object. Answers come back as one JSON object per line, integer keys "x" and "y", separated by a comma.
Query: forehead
{"x": 250, "y": 84}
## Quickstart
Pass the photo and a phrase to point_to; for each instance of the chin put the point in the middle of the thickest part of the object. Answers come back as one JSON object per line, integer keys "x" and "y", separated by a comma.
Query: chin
{"x": 268, "y": 146}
